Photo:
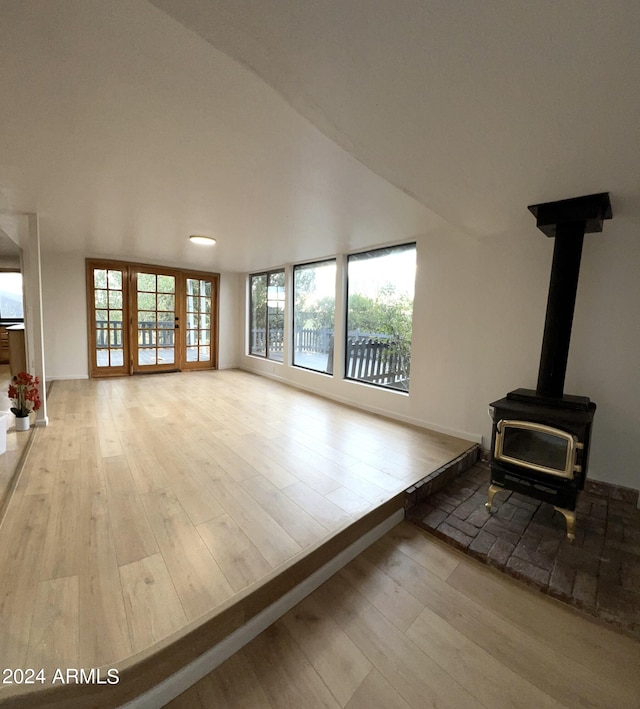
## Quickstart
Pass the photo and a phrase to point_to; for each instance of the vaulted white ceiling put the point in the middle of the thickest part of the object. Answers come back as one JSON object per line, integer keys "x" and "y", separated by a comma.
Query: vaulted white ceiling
{"x": 292, "y": 129}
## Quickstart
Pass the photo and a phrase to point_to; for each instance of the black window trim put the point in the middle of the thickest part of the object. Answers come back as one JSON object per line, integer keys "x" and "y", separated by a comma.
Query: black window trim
{"x": 308, "y": 264}
{"x": 266, "y": 273}
{"x": 358, "y": 256}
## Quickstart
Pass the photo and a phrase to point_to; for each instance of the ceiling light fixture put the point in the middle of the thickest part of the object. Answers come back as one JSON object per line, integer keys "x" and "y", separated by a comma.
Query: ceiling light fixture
{"x": 203, "y": 240}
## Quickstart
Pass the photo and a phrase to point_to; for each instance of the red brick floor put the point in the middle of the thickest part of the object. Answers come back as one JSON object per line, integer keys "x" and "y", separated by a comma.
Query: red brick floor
{"x": 598, "y": 572}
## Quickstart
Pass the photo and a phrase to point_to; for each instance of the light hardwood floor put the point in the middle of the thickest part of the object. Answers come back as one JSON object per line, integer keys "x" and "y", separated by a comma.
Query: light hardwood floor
{"x": 149, "y": 501}
{"x": 411, "y": 623}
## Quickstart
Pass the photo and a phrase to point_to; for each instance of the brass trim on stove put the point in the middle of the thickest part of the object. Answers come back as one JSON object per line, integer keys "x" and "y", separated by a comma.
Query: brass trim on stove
{"x": 491, "y": 493}
{"x": 573, "y": 446}
{"x": 570, "y": 518}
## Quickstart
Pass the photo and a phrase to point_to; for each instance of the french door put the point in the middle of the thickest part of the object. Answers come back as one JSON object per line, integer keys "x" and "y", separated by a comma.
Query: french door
{"x": 155, "y": 346}
{"x": 150, "y": 319}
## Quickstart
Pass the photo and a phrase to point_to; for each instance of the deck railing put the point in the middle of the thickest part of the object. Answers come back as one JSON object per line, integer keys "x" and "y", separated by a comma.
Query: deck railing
{"x": 378, "y": 361}
{"x": 150, "y": 334}
{"x": 370, "y": 357}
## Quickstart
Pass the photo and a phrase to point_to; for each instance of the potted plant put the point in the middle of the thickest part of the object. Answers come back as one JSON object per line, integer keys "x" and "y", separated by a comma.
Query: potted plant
{"x": 23, "y": 392}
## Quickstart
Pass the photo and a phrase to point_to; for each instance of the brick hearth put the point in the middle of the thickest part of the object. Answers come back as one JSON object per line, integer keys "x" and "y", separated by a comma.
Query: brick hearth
{"x": 599, "y": 572}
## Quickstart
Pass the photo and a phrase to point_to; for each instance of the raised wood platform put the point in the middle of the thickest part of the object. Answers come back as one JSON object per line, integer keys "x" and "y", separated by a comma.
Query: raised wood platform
{"x": 156, "y": 515}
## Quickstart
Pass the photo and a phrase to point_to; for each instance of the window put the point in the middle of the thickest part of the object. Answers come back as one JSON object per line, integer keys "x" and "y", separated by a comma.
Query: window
{"x": 266, "y": 327}
{"x": 379, "y": 314}
{"x": 314, "y": 288}
{"x": 11, "y": 295}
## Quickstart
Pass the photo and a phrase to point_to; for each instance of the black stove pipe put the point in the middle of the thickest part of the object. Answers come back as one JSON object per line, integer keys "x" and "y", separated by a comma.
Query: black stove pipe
{"x": 563, "y": 286}
{"x": 567, "y": 221}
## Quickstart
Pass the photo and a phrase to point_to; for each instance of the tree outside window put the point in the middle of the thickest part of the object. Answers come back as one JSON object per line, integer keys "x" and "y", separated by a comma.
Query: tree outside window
{"x": 266, "y": 328}
{"x": 379, "y": 316}
{"x": 314, "y": 288}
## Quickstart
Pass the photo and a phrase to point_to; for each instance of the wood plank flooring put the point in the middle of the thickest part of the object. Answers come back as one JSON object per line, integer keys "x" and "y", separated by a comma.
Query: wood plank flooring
{"x": 411, "y": 623}
{"x": 149, "y": 501}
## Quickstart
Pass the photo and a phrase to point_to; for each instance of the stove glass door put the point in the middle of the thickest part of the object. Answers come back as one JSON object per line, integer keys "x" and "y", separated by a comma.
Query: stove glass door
{"x": 537, "y": 447}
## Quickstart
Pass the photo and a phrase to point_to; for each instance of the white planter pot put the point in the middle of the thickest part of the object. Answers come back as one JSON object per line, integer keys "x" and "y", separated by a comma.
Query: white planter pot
{"x": 22, "y": 423}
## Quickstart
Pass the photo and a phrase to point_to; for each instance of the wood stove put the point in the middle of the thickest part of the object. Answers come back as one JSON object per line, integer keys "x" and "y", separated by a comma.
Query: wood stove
{"x": 540, "y": 439}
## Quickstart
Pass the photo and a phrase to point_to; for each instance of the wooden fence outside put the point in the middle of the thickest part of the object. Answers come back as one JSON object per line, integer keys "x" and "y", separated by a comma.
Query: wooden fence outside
{"x": 378, "y": 361}
{"x": 371, "y": 358}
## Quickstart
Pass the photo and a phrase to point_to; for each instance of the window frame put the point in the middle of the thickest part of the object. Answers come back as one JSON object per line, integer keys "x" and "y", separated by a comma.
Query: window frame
{"x": 267, "y": 350}
{"x": 362, "y": 255}
{"x": 309, "y": 264}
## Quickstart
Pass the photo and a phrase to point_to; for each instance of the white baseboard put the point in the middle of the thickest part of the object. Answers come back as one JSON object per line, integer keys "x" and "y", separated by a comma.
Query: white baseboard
{"x": 179, "y": 682}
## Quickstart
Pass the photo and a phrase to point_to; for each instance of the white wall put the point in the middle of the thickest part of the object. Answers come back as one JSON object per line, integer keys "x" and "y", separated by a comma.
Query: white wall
{"x": 10, "y": 262}
{"x": 478, "y": 323}
{"x": 230, "y": 317}
{"x": 65, "y": 316}
{"x": 604, "y": 360}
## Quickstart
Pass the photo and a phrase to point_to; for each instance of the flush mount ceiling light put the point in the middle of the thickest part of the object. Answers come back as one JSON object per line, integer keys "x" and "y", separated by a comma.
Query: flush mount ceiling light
{"x": 203, "y": 240}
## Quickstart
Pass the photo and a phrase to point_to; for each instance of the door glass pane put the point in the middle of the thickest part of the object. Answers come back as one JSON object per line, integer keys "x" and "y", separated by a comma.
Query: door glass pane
{"x": 147, "y": 356}
{"x": 192, "y": 320}
{"x": 146, "y": 301}
{"x": 146, "y": 316}
{"x": 166, "y": 355}
{"x": 165, "y": 334}
{"x": 147, "y": 282}
{"x": 115, "y": 280}
{"x": 192, "y": 354}
{"x": 101, "y": 298}
{"x": 205, "y": 288}
{"x": 167, "y": 318}
{"x": 99, "y": 278}
{"x": 205, "y": 354}
{"x": 115, "y": 299}
{"x": 146, "y": 336}
{"x": 166, "y": 284}
{"x": 166, "y": 302}
{"x": 193, "y": 286}
{"x": 117, "y": 358}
